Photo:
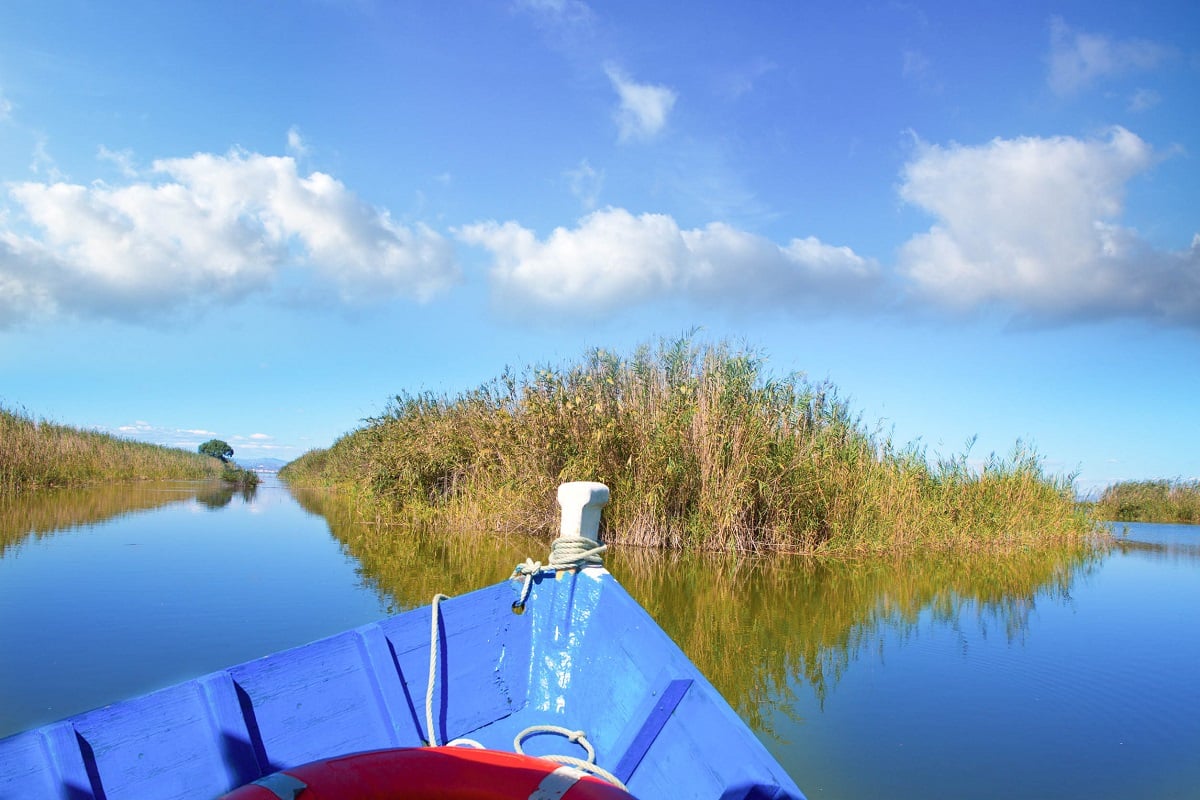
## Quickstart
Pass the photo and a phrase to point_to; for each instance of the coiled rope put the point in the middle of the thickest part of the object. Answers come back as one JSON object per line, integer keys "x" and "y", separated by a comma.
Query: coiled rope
{"x": 566, "y": 552}
{"x": 579, "y": 738}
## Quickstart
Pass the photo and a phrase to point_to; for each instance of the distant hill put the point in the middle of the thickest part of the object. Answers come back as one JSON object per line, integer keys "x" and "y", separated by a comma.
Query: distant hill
{"x": 261, "y": 464}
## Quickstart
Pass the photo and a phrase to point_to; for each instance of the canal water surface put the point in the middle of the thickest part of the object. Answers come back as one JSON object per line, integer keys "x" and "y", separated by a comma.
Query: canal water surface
{"x": 1028, "y": 676}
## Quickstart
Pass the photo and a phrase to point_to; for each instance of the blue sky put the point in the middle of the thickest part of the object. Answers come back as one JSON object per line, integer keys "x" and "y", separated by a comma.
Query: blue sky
{"x": 260, "y": 220}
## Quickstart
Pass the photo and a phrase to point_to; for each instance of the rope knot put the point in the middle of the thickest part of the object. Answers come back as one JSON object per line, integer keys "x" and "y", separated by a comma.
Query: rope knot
{"x": 530, "y": 567}
{"x": 566, "y": 552}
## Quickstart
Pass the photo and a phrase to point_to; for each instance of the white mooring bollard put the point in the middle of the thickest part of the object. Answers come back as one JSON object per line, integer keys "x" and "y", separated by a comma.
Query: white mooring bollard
{"x": 581, "y": 503}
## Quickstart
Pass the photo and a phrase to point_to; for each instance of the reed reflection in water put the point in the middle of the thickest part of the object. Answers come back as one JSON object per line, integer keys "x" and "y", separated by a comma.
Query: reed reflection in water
{"x": 47, "y": 511}
{"x": 753, "y": 625}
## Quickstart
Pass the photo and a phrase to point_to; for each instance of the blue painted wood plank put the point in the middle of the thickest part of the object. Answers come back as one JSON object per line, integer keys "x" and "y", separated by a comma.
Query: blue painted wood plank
{"x": 30, "y": 769}
{"x": 164, "y": 745}
{"x": 313, "y": 702}
{"x": 654, "y": 723}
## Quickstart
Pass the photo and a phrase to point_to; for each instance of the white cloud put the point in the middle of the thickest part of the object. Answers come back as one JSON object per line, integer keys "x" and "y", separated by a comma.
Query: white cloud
{"x": 121, "y": 159}
{"x": 143, "y": 431}
{"x": 613, "y": 259}
{"x": 585, "y": 182}
{"x": 5, "y": 108}
{"x": 1144, "y": 100}
{"x": 210, "y": 229}
{"x": 1032, "y": 224}
{"x": 919, "y": 70}
{"x": 191, "y": 439}
{"x": 295, "y": 143}
{"x": 644, "y": 107}
{"x": 560, "y": 12}
{"x": 43, "y": 163}
{"x": 1077, "y": 58}
{"x": 742, "y": 81}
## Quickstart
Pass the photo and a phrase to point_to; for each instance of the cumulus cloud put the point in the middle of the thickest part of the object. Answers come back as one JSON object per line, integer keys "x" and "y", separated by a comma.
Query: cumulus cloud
{"x": 203, "y": 230}
{"x": 613, "y": 259}
{"x": 1032, "y": 224}
{"x": 643, "y": 109}
{"x": 1077, "y": 58}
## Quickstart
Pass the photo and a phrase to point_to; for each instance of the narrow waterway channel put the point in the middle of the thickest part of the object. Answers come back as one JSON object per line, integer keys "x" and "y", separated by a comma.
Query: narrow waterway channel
{"x": 958, "y": 677}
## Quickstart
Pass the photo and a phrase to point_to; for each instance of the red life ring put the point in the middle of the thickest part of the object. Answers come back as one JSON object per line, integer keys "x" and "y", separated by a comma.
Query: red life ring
{"x": 420, "y": 773}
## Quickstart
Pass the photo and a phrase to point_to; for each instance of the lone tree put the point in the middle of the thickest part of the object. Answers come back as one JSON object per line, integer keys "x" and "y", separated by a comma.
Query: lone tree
{"x": 217, "y": 449}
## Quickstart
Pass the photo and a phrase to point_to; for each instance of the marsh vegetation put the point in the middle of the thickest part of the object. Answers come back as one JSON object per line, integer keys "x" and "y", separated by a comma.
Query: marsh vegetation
{"x": 1150, "y": 501}
{"x": 703, "y": 449}
{"x": 40, "y": 454}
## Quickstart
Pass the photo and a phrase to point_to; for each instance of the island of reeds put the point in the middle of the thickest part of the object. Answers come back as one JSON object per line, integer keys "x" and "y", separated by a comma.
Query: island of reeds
{"x": 39, "y": 454}
{"x": 1150, "y": 501}
{"x": 703, "y": 449}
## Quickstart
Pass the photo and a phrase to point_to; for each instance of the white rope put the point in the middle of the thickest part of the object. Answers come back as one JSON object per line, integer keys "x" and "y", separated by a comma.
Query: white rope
{"x": 566, "y": 552}
{"x": 528, "y": 570}
{"x": 577, "y": 737}
{"x": 433, "y": 654}
{"x": 464, "y": 742}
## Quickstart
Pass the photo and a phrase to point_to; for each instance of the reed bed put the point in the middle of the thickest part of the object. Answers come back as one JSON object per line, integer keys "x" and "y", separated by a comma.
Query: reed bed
{"x": 1150, "y": 501}
{"x": 703, "y": 449}
{"x": 39, "y": 454}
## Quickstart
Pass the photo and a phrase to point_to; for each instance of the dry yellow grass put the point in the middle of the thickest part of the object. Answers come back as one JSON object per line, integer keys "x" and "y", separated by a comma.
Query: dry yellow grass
{"x": 702, "y": 449}
{"x": 39, "y": 454}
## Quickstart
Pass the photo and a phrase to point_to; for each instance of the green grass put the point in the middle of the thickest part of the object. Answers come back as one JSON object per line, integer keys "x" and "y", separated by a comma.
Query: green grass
{"x": 702, "y": 449}
{"x": 1150, "y": 501}
{"x": 39, "y": 454}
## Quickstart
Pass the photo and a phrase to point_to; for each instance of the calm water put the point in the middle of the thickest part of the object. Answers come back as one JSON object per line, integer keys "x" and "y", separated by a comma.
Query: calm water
{"x": 971, "y": 678}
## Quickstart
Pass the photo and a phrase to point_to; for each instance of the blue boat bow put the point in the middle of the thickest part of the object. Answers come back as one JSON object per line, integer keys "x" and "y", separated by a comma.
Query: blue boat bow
{"x": 583, "y": 656}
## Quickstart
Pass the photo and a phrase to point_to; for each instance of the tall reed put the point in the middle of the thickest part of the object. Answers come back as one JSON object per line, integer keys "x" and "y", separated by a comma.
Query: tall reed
{"x": 36, "y": 453}
{"x": 1151, "y": 501}
{"x": 702, "y": 449}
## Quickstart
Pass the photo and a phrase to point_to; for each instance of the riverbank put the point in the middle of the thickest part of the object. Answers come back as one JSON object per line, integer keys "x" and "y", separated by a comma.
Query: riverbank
{"x": 703, "y": 449}
{"x": 40, "y": 454}
{"x": 1166, "y": 501}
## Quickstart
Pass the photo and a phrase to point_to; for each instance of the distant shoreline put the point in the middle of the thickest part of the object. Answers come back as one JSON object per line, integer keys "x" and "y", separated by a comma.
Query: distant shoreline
{"x": 39, "y": 454}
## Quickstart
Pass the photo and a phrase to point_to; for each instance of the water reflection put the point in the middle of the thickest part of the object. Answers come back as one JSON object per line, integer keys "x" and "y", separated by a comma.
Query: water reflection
{"x": 752, "y": 625}
{"x": 408, "y": 563}
{"x": 755, "y": 625}
{"x": 1167, "y": 542}
{"x": 218, "y": 495}
{"x": 41, "y": 513}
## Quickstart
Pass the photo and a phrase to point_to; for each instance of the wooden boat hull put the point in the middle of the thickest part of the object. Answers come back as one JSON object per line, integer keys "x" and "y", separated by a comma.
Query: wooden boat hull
{"x": 583, "y": 655}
